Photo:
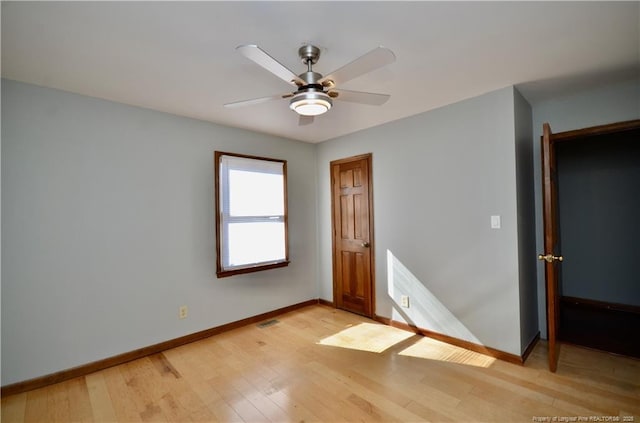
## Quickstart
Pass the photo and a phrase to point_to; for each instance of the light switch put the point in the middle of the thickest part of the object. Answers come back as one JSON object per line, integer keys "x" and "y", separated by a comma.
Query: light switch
{"x": 495, "y": 222}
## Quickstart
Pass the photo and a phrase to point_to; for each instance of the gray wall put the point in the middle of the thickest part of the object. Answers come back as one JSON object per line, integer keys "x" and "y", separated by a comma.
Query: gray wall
{"x": 598, "y": 106}
{"x": 438, "y": 177}
{"x": 599, "y": 206}
{"x": 526, "y": 229}
{"x": 108, "y": 227}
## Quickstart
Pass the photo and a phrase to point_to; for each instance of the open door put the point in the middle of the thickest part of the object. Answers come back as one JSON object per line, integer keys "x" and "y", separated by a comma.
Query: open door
{"x": 551, "y": 255}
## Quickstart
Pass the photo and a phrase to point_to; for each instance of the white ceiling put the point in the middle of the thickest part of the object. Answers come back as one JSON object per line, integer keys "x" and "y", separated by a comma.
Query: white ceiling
{"x": 179, "y": 57}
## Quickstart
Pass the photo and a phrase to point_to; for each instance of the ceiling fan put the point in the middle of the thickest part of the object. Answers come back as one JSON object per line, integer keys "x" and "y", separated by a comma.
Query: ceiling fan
{"x": 315, "y": 93}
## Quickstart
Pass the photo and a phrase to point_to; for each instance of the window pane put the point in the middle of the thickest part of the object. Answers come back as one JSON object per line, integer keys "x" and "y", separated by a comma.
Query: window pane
{"x": 256, "y": 242}
{"x": 255, "y": 193}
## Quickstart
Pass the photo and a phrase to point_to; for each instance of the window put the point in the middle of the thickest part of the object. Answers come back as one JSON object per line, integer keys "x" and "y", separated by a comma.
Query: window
{"x": 251, "y": 213}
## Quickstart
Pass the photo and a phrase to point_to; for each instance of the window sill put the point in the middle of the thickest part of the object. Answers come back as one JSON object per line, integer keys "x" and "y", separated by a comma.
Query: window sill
{"x": 227, "y": 273}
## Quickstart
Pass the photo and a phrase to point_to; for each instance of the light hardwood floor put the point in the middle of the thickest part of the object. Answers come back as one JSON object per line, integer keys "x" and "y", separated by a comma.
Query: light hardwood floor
{"x": 321, "y": 364}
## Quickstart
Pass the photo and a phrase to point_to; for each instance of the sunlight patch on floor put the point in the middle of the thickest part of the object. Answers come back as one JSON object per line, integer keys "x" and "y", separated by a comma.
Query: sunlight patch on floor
{"x": 367, "y": 337}
{"x": 435, "y": 350}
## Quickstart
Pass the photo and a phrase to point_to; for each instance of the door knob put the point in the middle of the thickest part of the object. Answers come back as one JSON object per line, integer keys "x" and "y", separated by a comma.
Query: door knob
{"x": 365, "y": 244}
{"x": 550, "y": 258}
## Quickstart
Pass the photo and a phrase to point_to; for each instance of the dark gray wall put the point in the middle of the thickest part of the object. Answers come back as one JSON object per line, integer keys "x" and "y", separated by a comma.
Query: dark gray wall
{"x": 599, "y": 203}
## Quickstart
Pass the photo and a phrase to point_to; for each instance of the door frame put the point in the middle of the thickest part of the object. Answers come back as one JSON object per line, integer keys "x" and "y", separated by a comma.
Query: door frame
{"x": 551, "y": 284}
{"x": 372, "y": 287}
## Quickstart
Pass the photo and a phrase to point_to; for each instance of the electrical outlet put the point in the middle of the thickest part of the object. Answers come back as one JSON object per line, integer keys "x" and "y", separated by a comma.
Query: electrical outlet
{"x": 182, "y": 312}
{"x": 404, "y": 301}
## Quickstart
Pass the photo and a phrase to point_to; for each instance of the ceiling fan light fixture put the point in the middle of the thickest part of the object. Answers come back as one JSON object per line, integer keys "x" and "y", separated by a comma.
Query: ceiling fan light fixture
{"x": 312, "y": 103}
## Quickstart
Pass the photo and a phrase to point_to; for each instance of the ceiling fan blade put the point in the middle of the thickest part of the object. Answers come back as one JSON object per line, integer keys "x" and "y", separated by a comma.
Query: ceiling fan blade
{"x": 305, "y": 120}
{"x": 375, "y": 59}
{"x": 359, "y": 97}
{"x": 257, "y": 100}
{"x": 263, "y": 59}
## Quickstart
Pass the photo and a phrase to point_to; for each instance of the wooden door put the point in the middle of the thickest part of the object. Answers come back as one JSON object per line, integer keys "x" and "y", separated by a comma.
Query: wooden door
{"x": 551, "y": 255}
{"x": 351, "y": 202}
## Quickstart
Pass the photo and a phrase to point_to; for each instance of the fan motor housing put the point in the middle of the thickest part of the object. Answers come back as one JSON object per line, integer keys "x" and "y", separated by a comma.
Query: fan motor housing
{"x": 310, "y": 77}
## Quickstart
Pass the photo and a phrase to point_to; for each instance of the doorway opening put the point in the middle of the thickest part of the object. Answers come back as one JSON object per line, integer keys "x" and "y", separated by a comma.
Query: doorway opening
{"x": 591, "y": 189}
{"x": 599, "y": 209}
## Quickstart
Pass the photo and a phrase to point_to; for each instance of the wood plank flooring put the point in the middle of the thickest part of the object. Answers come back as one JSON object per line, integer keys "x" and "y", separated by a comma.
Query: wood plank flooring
{"x": 319, "y": 364}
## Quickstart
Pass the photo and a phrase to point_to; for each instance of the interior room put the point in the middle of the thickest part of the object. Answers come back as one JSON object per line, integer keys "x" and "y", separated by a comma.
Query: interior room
{"x": 406, "y": 142}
